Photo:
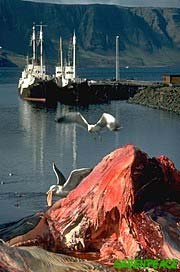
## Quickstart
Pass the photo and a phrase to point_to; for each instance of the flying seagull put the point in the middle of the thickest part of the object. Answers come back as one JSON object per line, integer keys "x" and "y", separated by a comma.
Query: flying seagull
{"x": 63, "y": 186}
{"x": 106, "y": 120}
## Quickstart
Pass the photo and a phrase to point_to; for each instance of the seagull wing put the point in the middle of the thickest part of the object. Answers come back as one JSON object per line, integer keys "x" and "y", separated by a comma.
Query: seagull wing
{"x": 75, "y": 177}
{"x": 109, "y": 121}
{"x": 102, "y": 122}
{"x": 60, "y": 177}
{"x": 73, "y": 117}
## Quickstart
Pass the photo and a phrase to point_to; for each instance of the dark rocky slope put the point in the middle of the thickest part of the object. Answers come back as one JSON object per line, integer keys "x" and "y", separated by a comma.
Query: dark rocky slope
{"x": 165, "y": 98}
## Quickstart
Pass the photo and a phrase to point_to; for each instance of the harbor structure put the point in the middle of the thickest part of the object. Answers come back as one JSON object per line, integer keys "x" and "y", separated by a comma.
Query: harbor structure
{"x": 117, "y": 58}
{"x": 65, "y": 86}
{"x": 171, "y": 79}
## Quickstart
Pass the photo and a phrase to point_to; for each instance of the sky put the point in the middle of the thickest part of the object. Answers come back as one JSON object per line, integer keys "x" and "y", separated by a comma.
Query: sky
{"x": 129, "y": 3}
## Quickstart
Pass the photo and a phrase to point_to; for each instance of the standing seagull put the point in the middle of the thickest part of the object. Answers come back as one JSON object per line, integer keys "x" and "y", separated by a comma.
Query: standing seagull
{"x": 106, "y": 120}
{"x": 63, "y": 186}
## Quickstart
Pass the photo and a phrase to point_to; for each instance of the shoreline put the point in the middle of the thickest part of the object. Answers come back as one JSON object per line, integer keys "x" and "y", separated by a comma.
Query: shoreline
{"x": 162, "y": 97}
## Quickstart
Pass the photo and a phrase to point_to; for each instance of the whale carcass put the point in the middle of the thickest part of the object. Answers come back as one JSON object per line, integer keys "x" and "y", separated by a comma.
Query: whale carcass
{"x": 127, "y": 207}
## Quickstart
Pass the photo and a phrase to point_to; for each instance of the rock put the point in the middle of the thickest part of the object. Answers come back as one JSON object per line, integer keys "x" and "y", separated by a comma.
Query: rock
{"x": 127, "y": 207}
{"x": 162, "y": 97}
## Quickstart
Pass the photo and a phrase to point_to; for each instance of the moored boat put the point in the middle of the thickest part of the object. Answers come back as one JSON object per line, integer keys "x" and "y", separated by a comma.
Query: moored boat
{"x": 71, "y": 89}
{"x": 35, "y": 84}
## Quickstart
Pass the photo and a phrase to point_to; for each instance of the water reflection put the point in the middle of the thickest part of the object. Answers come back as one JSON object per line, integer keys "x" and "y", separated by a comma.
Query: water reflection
{"x": 66, "y": 138}
{"x": 34, "y": 122}
{"x": 43, "y": 135}
{"x": 70, "y": 146}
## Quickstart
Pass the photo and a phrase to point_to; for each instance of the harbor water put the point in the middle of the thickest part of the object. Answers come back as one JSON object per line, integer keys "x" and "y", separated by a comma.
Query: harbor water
{"x": 30, "y": 139}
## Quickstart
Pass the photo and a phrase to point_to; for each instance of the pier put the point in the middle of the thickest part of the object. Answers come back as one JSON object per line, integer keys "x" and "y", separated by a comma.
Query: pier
{"x": 100, "y": 91}
{"x": 72, "y": 90}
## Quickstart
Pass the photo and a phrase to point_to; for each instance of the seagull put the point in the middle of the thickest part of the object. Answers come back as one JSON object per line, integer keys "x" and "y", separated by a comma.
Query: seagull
{"x": 63, "y": 186}
{"x": 106, "y": 120}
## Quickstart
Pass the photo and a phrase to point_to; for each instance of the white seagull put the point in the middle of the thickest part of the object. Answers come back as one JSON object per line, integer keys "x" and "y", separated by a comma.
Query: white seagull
{"x": 63, "y": 186}
{"x": 106, "y": 120}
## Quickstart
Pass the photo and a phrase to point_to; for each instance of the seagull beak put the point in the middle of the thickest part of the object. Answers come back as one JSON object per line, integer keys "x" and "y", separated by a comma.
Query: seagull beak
{"x": 49, "y": 198}
{"x": 48, "y": 191}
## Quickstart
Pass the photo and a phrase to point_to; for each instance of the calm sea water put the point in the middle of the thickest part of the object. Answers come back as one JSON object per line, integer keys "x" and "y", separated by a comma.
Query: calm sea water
{"x": 30, "y": 140}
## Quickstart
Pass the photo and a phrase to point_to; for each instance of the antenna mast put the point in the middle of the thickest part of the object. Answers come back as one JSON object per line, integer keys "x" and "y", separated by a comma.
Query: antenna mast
{"x": 117, "y": 58}
{"x": 61, "y": 54}
{"x": 41, "y": 47}
{"x": 74, "y": 56}
{"x": 34, "y": 44}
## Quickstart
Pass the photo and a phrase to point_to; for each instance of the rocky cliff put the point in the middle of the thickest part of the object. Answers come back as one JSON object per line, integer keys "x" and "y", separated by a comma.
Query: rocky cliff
{"x": 148, "y": 36}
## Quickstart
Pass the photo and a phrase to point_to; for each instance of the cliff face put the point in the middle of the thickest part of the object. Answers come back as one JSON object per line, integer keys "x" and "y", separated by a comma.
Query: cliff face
{"x": 148, "y": 36}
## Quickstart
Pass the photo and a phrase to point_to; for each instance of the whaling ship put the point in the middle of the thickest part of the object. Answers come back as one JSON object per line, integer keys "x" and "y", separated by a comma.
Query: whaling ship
{"x": 34, "y": 84}
{"x": 37, "y": 86}
{"x": 71, "y": 89}
{"x": 65, "y": 72}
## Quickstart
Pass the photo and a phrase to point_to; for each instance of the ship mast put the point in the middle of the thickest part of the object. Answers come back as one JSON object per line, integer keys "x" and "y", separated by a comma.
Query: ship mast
{"x": 74, "y": 56}
{"x": 41, "y": 49}
{"x": 61, "y": 54}
{"x": 34, "y": 45}
{"x": 27, "y": 60}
